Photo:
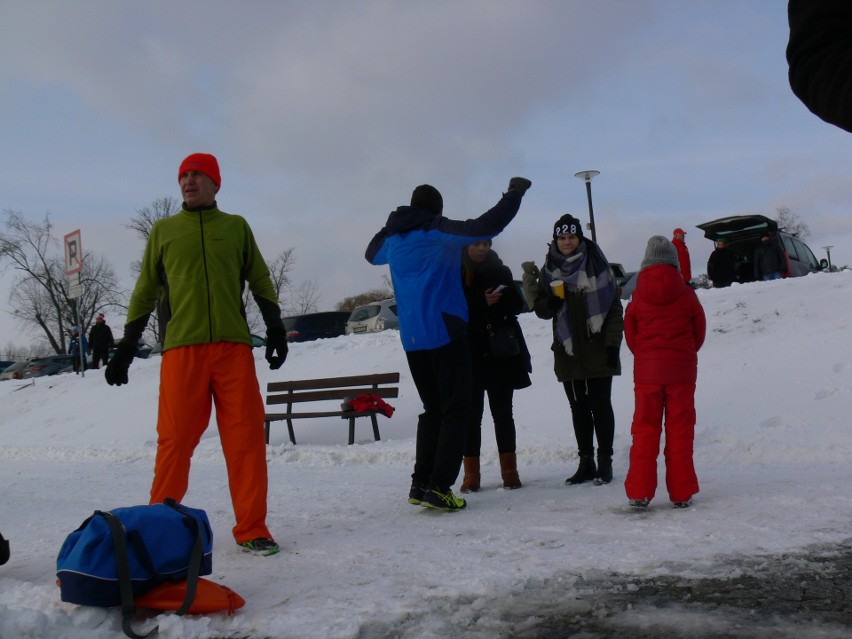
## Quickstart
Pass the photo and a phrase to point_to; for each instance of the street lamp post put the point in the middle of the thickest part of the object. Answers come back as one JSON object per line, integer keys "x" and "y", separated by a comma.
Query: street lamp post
{"x": 828, "y": 253}
{"x": 587, "y": 176}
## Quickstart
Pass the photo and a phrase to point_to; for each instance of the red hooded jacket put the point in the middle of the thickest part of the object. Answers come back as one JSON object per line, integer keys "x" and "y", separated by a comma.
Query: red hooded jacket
{"x": 664, "y": 326}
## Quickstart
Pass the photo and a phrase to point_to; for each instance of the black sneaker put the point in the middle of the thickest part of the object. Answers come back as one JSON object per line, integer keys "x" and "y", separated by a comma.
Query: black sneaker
{"x": 639, "y": 504}
{"x": 260, "y": 546}
{"x": 442, "y": 500}
{"x": 415, "y": 495}
{"x": 682, "y": 504}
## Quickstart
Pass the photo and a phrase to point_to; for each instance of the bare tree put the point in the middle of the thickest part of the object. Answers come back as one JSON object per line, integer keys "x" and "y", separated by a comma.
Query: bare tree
{"x": 279, "y": 271}
{"x": 373, "y": 295}
{"x": 40, "y": 297}
{"x": 146, "y": 216}
{"x": 790, "y": 222}
{"x": 305, "y": 299}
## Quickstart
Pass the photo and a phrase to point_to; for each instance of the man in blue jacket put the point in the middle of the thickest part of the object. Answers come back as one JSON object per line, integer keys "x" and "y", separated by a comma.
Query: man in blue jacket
{"x": 423, "y": 249}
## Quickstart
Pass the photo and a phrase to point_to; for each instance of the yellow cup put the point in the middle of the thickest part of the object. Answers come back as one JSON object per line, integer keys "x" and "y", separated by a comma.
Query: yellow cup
{"x": 558, "y": 288}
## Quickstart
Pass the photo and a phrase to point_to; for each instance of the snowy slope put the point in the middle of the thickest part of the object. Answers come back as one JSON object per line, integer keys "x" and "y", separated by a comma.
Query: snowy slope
{"x": 772, "y": 446}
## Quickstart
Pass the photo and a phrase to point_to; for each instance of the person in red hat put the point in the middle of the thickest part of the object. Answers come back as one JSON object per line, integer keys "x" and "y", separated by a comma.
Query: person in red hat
{"x": 196, "y": 265}
{"x": 679, "y": 240}
{"x": 100, "y": 341}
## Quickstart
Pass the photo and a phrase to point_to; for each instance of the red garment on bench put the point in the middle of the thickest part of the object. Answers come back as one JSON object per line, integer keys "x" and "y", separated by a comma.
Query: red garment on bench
{"x": 368, "y": 401}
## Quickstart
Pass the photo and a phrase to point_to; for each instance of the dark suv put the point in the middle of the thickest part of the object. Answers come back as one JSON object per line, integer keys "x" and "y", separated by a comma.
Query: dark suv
{"x": 311, "y": 326}
{"x": 742, "y": 234}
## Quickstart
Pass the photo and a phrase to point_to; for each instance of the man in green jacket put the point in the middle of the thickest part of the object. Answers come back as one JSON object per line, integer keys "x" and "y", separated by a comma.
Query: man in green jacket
{"x": 197, "y": 264}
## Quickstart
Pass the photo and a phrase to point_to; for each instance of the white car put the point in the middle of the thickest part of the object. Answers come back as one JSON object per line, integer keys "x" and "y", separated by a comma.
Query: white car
{"x": 373, "y": 317}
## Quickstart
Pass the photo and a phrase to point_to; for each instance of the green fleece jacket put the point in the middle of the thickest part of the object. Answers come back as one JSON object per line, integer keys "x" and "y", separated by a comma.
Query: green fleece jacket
{"x": 197, "y": 264}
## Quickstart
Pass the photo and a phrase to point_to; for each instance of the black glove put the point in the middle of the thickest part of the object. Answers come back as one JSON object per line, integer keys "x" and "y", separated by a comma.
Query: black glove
{"x": 555, "y": 303}
{"x": 116, "y": 369}
{"x": 519, "y": 184}
{"x": 612, "y": 356}
{"x": 276, "y": 347}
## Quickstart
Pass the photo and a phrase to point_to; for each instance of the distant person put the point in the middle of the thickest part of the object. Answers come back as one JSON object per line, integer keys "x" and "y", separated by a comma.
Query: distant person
{"x": 100, "y": 341}
{"x": 201, "y": 259}
{"x": 77, "y": 347}
{"x": 819, "y": 54}
{"x": 501, "y": 361}
{"x": 423, "y": 249}
{"x": 722, "y": 265}
{"x": 575, "y": 288}
{"x": 664, "y": 326}
{"x": 768, "y": 260}
{"x": 679, "y": 240}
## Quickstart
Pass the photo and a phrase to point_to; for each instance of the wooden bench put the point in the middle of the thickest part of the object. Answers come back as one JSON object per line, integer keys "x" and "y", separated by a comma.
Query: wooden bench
{"x": 333, "y": 391}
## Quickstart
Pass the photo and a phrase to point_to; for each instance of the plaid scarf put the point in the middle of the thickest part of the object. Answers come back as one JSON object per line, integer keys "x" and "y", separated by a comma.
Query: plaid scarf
{"x": 586, "y": 271}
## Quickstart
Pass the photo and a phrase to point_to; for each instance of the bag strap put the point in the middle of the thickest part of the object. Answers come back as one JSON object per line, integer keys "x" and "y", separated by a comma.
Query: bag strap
{"x": 128, "y": 606}
{"x": 195, "y": 558}
{"x": 122, "y": 565}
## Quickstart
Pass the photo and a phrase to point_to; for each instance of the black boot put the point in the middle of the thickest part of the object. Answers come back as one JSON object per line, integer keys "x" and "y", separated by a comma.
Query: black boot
{"x": 604, "y": 474}
{"x": 585, "y": 472}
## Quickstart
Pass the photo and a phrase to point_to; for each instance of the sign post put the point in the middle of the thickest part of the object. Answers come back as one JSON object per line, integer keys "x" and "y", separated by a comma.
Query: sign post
{"x": 73, "y": 266}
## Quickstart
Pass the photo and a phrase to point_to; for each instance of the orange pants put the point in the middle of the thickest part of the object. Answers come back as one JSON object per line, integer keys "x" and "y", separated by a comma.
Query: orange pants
{"x": 191, "y": 379}
{"x": 678, "y": 403}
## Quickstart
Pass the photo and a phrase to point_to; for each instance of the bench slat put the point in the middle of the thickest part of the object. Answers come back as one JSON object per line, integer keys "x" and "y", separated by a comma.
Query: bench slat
{"x": 341, "y": 393}
{"x": 333, "y": 382}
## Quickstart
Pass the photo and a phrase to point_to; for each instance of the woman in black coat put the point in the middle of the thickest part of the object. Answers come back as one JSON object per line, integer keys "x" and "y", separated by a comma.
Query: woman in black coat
{"x": 501, "y": 361}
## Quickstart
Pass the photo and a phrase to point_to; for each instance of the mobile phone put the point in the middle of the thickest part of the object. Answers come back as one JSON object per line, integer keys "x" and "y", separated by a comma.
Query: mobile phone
{"x": 498, "y": 288}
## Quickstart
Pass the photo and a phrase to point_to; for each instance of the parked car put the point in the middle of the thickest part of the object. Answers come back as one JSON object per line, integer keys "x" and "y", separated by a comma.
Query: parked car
{"x": 373, "y": 317}
{"x": 4, "y": 364}
{"x": 9, "y": 371}
{"x": 742, "y": 234}
{"x": 41, "y": 366}
{"x": 311, "y": 326}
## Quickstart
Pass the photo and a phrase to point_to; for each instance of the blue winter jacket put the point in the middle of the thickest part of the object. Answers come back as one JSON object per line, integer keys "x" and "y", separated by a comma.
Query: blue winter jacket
{"x": 424, "y": 254}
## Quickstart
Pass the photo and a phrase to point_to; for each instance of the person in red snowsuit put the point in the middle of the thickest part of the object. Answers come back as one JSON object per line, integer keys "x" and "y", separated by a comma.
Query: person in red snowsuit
{"x": 664, "y": 326}
{"x": 679, "y": 241}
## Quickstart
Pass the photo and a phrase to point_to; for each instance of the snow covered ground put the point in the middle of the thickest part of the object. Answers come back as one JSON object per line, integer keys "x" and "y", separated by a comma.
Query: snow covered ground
{"x": 773, "y": 454}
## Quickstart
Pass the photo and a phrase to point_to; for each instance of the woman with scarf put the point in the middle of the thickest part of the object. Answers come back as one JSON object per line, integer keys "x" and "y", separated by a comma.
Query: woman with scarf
{"x": 501, "y": 361}
{"x": 577, "y": 291}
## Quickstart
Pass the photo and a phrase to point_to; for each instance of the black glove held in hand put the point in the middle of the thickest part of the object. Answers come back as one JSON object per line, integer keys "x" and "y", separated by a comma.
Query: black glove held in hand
{"x": 276, "y": 347}
{"x": 116, "y": 369}
{"x": 519, "y": 184}
{"x": 612, "y": 356}
{"x": 555, "y": 303}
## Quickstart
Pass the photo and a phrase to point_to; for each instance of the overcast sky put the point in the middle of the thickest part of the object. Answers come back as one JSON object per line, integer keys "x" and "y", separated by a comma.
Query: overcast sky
{"x": 325, "y": 115}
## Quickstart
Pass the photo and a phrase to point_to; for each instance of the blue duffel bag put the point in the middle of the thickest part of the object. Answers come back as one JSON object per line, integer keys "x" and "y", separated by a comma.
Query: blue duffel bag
{"x": 115, "y": 556}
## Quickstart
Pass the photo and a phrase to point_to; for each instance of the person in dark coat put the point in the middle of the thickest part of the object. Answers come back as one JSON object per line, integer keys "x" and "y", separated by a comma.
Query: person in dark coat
{"x": 768, "y": 260}
{"x": 423, "y": 250}
{"x": 100, "y": 341}
{"x": 722, "y": 265}
{"x": 576, "y": 289}
{"x": 664, "y": 326}
{"x": 819, "y": 55}
{"x": 493, "y": 303}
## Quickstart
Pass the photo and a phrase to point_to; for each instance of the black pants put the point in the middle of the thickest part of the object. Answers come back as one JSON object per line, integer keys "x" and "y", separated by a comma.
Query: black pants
{"x": 591, "y": 410}
{"x": 99, "y": 356}
{"x": 495, "y": 380}
{"x": 443, "y": 380}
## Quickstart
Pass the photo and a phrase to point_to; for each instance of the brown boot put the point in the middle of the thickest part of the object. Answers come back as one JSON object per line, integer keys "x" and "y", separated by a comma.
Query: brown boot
{"x": 509, "y": 469}
{"x": 470, "y": 483}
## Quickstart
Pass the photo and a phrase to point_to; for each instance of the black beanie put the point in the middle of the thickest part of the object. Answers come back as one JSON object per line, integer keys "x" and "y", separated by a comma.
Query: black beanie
{"x": 427, "y": 197}
{"x": 567, "y": 224}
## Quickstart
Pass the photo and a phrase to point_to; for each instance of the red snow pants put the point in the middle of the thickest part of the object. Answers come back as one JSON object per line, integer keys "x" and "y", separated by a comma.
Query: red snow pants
{"x": 677, "y": 401}
{"x": 192, "y": 379}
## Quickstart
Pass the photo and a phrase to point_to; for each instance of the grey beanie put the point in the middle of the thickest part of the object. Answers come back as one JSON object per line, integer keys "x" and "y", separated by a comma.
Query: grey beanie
{"x": 660, "y": 250}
